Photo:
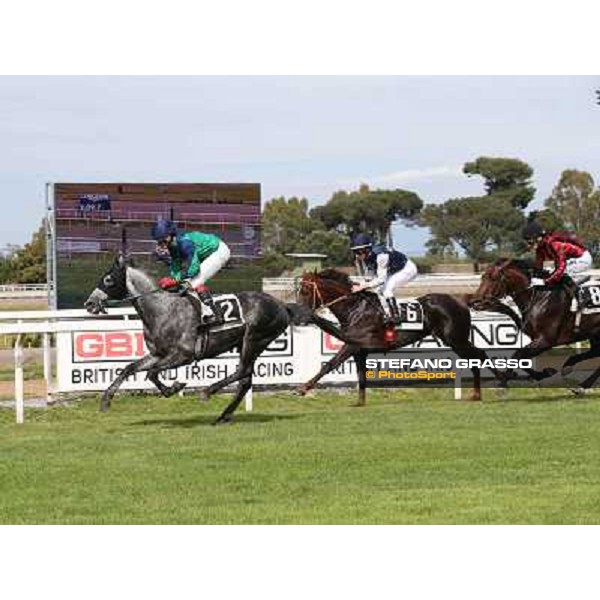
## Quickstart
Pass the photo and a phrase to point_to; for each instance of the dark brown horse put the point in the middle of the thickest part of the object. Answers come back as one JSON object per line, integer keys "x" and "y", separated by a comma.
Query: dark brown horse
{"x": 362, "y": 329}
{"x": 546, "y": 315}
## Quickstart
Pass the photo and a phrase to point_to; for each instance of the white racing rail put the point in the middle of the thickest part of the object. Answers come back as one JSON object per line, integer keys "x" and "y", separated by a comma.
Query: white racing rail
{"x": 49, "y": 323}
{"x": 46, "y": 323}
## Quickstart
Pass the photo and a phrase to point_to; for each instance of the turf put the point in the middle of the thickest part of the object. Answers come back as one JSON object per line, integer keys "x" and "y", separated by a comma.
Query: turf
{"x": 408, "y": 457}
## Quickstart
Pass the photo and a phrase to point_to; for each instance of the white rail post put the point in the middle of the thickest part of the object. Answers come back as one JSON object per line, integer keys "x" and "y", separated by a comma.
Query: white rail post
{"x": 47, "y": 349}
{"x": 458, "y": 386}
{"x": 19, "y": 391}
{"x": 248, "y": 401}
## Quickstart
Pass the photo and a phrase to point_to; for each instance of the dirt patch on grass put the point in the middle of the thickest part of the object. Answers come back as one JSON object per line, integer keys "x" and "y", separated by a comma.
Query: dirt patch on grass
{"x": 34, "y": 388}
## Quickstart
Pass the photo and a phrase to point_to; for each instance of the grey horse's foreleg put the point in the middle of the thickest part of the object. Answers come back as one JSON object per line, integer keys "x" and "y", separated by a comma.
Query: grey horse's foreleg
{"x": 344, "y": 353}
{"x": 250, "y": 351}
{"x": 244, "y": 385}
{"x": 164, "y": 389}
{"x": 244, "y": 370}
{"x": 147, "y": 363}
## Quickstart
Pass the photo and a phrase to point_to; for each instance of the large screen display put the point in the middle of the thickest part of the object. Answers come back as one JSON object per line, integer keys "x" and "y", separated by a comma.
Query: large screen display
{"x": 94, "y": 221}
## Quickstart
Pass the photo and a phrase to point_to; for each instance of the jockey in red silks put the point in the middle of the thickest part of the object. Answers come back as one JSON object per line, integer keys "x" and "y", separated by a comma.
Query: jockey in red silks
{"x": 568, "y": 254}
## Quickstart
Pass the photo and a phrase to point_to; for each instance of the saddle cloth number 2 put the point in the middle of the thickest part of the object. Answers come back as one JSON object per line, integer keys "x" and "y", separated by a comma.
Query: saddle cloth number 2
{"x": 230, "y": 309}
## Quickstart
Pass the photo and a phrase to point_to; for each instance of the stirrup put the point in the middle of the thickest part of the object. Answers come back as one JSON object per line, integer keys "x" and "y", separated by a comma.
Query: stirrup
{"x": 215, "y": 319}
{"x": 393, "y": 318}
{"x": 212, "y": 320}
{"x": 196, "y": 303}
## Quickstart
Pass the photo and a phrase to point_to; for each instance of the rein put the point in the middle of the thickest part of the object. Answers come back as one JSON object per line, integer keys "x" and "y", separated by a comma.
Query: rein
{"x": 503, "y": 280}
{"x": 317, "y": 294}
{"x": 526, "y": 311}
{"x": 128, "y": 299}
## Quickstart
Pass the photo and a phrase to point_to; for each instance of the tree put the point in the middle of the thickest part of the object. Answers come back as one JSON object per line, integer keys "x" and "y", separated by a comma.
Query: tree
{"x": 574, "y": 204}
{"x": 288, "y": 228}
{"x": 366, "y": 210}
{"x": 508, "y": 178}
{"x": 285, "y": 224}
{"x": 27, "y": 264}
{"x": 483, "y": 226}
{"x": 474, "y": 224}
{"x": 335, "y": 245}
{"x": 569, "y": 197}
{"x": 590, "y": 231}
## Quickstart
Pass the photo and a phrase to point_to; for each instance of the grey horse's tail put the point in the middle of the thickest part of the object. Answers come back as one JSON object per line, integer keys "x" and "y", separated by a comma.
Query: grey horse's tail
{"x": 299, "y": 315}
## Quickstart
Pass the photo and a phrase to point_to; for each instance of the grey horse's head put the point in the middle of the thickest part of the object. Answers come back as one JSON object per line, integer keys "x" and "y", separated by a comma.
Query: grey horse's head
{"x": 113, "y": 285}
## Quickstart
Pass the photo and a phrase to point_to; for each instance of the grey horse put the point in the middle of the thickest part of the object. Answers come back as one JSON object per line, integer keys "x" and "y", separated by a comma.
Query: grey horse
{"x": 174, "y": 337}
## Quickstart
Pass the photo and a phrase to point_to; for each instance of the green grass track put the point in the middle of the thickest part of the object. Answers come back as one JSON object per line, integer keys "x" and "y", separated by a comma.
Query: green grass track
{"x": 408, "y": 457}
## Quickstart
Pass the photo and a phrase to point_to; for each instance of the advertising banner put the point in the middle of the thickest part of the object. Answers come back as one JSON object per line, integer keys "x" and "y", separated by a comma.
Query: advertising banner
{"x": 89, "y": 360}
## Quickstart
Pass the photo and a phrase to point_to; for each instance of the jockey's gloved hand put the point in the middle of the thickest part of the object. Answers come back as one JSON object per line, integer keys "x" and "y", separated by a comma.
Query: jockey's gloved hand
{"x": 185, "y": 286}
{"x": 167, "y": 282}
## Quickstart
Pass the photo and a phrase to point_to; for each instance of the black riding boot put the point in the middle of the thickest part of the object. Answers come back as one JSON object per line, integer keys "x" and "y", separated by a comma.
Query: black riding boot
{"x": 192, "y": 295}
{"x": 394, "y": 318}
{"x": 217, "y": 317}
{"x": 573, "y": 289}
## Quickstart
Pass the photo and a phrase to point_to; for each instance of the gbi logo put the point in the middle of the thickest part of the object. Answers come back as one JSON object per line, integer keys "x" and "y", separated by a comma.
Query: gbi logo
{"x": 108, "y": 345}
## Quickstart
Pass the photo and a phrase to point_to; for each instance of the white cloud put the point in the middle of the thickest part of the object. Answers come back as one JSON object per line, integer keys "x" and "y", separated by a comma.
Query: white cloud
{"x": 413, "y": 175}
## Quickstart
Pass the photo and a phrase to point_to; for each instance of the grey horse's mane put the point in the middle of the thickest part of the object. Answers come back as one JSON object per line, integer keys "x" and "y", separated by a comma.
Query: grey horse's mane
{"x": 138, "y": 280}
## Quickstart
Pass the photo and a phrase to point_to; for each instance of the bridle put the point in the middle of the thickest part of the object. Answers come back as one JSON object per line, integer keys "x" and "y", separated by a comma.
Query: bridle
{"x": 133, "y": 298}
{"x": 504, "y": 281}
{"x": 316, "y": 294}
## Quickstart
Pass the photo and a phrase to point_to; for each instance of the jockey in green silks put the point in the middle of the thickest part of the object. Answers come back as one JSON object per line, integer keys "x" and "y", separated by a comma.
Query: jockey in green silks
{"x": 193, "y": 258}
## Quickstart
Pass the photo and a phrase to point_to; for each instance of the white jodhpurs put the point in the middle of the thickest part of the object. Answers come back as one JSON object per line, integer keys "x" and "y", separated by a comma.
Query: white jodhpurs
{"x": 212, "y": 265}
{"x": 577, "y": 265}
{"x": 399, "y": 278}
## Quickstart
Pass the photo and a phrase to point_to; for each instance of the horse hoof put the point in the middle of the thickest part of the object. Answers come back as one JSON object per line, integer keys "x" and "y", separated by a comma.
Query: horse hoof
{"x": 566, "y": 371}
{"x": 578, "y": 391}
{"x": 223, "y": 421}
{"x": 104, "y": 406}
{"x": 177, "y": 387}
{"x": 300, "y": 391}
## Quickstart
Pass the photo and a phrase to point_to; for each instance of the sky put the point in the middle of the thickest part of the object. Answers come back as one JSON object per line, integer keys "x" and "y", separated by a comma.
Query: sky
{"x": 297, "y": 136}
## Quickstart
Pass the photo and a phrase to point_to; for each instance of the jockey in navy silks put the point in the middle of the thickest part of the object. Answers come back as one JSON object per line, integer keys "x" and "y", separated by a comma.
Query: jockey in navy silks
{"x": 193, "y": 258}
{"x": 390, "y": 269}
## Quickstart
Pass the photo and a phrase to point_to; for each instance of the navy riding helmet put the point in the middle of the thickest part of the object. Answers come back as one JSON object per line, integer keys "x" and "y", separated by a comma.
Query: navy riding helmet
{"x": 162, "y": 229}
{"x": 361, "y": 241}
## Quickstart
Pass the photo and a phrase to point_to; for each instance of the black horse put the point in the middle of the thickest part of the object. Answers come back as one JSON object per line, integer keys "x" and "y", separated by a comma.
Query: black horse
{"x": 362, "y": 328}
{"x": 547, "y": 316}
{"x": 173, "y": 335}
